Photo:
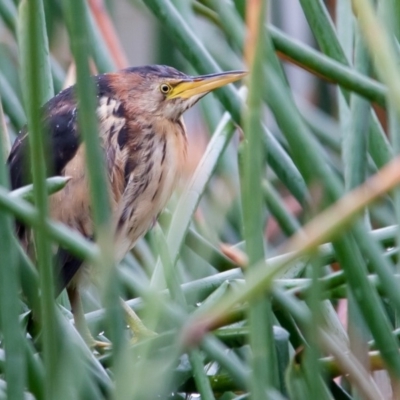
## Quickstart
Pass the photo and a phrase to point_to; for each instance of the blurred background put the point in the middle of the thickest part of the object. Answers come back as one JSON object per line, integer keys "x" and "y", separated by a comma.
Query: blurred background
{"x": 211, "y": 248}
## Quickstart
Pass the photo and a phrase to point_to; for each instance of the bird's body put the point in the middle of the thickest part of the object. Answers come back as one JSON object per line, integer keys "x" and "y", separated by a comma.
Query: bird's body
{"x": 144, "y": 160}
{"x": 144, "y": 142}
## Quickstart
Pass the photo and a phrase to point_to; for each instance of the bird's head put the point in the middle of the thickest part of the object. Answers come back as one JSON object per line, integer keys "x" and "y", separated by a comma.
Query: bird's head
{"x": 165, "y": 92}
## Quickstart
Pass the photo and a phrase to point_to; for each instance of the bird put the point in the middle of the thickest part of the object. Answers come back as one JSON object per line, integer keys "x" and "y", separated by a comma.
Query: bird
{"x": 144, "y": 143}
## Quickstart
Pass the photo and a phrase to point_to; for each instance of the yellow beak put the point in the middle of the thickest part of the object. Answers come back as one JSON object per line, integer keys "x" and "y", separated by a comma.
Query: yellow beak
{"x": 204, "y": 84}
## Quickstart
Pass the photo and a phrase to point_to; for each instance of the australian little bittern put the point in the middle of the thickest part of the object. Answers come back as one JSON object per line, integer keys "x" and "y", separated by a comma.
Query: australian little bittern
{"x": 144, "y": 141}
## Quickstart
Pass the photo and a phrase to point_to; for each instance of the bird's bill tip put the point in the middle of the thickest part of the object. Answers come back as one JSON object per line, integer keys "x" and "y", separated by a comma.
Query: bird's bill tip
{"x": 205, "y": 83}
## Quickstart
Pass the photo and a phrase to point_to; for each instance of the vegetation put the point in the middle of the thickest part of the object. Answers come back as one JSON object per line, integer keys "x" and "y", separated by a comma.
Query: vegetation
{"x": 280, "y": 231}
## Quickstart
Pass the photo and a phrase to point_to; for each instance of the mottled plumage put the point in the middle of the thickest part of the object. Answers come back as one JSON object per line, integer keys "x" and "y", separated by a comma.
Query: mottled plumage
{"x": 144, "y": 141}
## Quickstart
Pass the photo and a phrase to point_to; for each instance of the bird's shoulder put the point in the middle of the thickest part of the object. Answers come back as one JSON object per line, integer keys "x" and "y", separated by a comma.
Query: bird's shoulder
{"x": 59, "y": 123}
{"x": 59, "y": 120}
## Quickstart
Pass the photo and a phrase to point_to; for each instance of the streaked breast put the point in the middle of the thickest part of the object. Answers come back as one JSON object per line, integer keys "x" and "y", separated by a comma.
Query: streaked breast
{"x": 154, "y": 176}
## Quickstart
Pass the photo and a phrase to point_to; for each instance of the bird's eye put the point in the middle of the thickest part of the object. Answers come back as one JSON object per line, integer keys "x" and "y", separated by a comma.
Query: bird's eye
{"x": 165, "y": 89}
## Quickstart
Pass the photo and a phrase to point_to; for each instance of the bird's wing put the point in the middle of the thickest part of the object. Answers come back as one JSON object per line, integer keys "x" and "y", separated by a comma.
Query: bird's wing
{"x": 63, "y": 141}
{"x": 65, "y": 156}
{"x": 59, "y": 121}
